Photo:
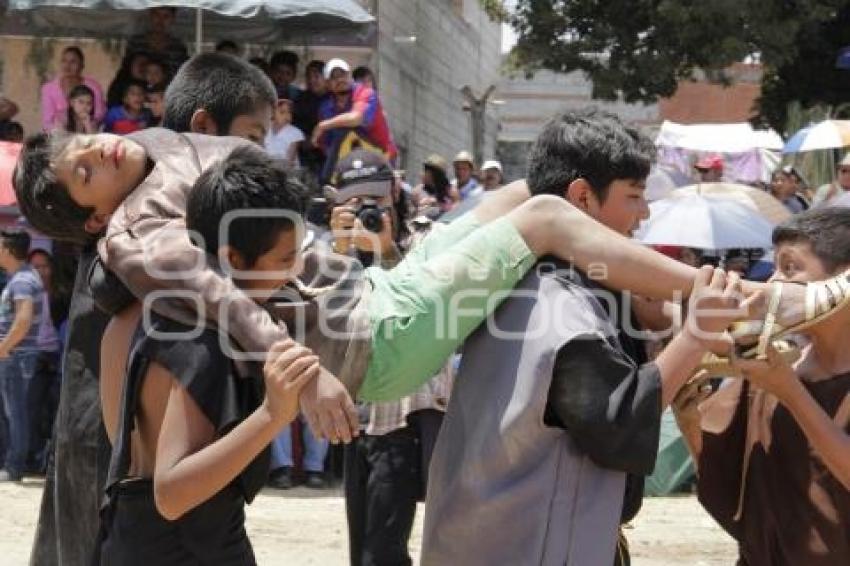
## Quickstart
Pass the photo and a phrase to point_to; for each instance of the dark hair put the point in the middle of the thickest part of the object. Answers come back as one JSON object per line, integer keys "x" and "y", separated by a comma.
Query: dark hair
{"x": 588, "y": 144}
{"x": 11, "y": 131}
{"x": 17, "y": 241}
{"x": 42, "y": 198}
{"x": 225, "y": 44}
{"x": 261, "y": 64}
{"x": 315, "y": 65}
{"x": 826, "y": 230}
{"x": 440, "y": 188}
{"x": 124, "y": 74}
{"x": 223, "y": 85}
{"x": 287, "y": 58}
{"x": 76, "y": 51}
{"x": 361, "y": 73}
{"x": 246, "y": 179}
{"x": 158, "y": 88}
{"x": 79, "y": 90}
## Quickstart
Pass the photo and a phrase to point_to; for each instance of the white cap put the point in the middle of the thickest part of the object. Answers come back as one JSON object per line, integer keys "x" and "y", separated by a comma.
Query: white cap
{"x": 492, "y": 164}
{"x": 336, "y": 63}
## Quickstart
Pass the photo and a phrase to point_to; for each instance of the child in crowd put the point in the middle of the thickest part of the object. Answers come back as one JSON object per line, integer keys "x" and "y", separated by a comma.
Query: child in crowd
{"x": 131, "y": 116}
{"x": 154, "y": 95}
{"x": 284, "y": 139}
{"x": 177, "y": 486}
{"x": 155, "y": 72}
{"x": 81, "y": 118}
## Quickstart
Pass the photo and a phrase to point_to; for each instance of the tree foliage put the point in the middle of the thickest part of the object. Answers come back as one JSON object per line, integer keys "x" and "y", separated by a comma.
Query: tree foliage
{"x": 640, "y": 49}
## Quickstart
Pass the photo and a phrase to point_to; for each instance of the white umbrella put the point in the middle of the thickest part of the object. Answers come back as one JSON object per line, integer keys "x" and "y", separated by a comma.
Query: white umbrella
{"x": 828, "y": 134}
{"x": 840, "y": 200}
{"x": 662, "y": 181}
{"x": 705, "y": 222}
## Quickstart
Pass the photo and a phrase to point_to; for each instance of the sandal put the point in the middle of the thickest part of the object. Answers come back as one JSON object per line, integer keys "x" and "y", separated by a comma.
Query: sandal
{"x": 719, "y": 366}
{"x": 823, "y": 299}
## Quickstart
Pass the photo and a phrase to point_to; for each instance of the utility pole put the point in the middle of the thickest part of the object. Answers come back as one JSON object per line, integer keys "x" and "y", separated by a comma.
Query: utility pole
{"x": 477, "y": 108}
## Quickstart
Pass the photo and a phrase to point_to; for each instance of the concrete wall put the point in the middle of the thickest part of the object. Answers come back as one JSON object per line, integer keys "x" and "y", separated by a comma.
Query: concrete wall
{"x": 456, "y": 44}
{"x": 530, "y": 103}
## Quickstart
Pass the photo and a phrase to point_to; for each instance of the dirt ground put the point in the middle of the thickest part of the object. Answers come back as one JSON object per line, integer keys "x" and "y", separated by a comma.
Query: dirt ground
{"x": 305, "y": 527}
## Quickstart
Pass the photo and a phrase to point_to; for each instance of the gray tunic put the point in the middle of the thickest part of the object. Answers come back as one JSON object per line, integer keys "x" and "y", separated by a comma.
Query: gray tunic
{"x": 504, "y": 487}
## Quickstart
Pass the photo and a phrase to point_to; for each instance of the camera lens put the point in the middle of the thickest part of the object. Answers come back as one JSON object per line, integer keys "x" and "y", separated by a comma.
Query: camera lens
{"x": 371, "y": 219}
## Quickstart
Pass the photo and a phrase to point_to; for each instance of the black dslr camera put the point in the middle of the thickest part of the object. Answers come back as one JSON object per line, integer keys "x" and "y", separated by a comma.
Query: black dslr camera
{"x": 370, "y": 214}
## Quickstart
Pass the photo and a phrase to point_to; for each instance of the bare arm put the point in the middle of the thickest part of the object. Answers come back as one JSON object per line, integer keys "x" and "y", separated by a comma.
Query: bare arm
{"x": 828, "y": 439}
{"x": 350, "y": 119}
{"x": 190, "y": 467}
{"x": 20, "y": 326}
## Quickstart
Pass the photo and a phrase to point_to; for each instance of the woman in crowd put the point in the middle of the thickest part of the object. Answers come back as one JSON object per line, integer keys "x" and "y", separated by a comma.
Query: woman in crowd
{"x": 133, "y": 68}
{"x": 55, "y": 93}
{"x": 435, "y": 195}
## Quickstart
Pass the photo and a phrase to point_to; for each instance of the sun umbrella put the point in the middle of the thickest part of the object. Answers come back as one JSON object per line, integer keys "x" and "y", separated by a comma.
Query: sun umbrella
{"x": 705, "y": 222}
{"x": 662, "y": 181}
{"x": 765, "y": 203}
{"x": 258, "y": 21}
{"x": 828, "y": 134}
{"x": 8, "y": 157}
{"x": 840, "y": 200}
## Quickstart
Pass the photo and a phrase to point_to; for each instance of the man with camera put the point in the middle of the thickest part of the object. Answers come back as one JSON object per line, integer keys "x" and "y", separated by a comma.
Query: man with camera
{"x": 386, "y": 466}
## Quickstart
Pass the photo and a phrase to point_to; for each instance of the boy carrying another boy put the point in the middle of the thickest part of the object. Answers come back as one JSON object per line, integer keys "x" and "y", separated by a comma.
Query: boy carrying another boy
{"x": 79, "y": 186}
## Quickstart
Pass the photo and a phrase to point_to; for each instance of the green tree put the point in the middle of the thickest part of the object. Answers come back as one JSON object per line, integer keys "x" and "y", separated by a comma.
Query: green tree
{"x": 640, "y": 49}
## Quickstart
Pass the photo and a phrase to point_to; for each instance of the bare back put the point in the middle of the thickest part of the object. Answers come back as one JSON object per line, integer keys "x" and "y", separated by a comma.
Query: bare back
{"x": 114, "y": 353}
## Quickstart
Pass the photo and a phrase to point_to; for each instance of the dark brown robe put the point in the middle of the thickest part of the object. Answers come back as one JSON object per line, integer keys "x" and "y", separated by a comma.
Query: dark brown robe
{"x": 763, "y": 482}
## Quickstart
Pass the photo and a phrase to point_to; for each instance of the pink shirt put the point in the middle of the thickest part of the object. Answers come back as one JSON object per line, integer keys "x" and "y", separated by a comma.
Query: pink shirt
{"x": 54, "y": 105}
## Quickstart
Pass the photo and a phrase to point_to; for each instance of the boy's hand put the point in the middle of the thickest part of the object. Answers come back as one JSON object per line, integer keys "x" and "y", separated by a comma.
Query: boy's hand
{"x": 289, "y": 366}
{"x": 715, "y": 304}
{"x": 328, "y": 408}
{"x": 774, "y": 375}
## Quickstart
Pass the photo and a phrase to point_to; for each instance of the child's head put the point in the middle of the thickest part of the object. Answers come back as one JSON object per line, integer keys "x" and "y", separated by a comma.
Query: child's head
{"x": 154, "y": 96}
{"x": 265, "y": 240}
{"x": 81, "y": 101}
{"x": 68, "y": 185}
{"x": 597, "y": 163}
{"x": 283, "y": 67}
{"x": 813, "y": 245}
{"x": 282, "y": 112}
{"x": 218, "y": 94}
{"x": 133, "y": 98}
{"x": 155, "y": 71}
{"x": 80, "y": 106}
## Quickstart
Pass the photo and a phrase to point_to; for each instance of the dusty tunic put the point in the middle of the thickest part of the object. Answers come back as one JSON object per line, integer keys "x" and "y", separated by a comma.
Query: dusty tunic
{"x": 793, "y": 511}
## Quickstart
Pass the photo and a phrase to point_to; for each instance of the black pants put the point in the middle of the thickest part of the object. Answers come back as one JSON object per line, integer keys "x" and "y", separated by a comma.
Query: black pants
{"x": 42, "y": 401}
{"x": 385, "y": 476}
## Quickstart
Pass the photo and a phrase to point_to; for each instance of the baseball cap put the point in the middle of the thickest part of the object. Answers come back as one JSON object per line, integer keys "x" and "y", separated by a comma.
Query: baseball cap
{"x": 710, "y": 162}
{"x": 845, "y": 162}
{"x": 336, "y": 63}
{"x": 492, "y": 164}
{"x": 363, "y": 173}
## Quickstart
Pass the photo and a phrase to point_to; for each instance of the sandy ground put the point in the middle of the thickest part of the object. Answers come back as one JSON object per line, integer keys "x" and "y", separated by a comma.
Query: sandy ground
{"x": 305, "y": 527}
